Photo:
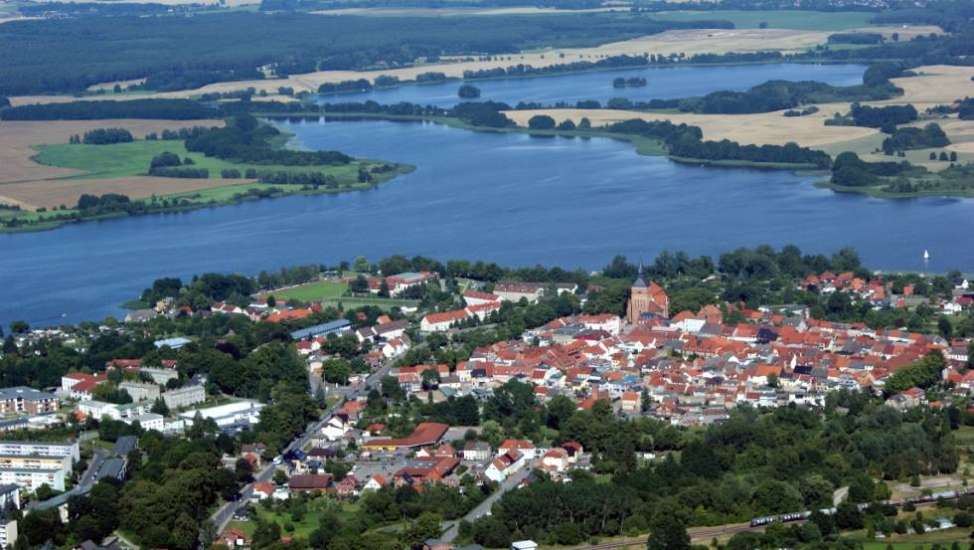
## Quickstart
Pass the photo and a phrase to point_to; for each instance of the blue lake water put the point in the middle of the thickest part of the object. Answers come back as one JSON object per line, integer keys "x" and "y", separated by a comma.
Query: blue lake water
{"x": 662, "y": 83}
{"x": 509, "y": 198}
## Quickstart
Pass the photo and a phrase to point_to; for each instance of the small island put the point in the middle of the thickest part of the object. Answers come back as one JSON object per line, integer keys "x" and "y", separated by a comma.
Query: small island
{"x": 468, "y": 91}
{"x": 631, "y": 82}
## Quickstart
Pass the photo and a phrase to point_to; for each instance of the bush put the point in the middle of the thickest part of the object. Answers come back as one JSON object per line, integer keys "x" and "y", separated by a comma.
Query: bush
{"x": 541, "y": 122}
{"x": 467, "y": 91}
{"x": 164, "y": 160}
{"x": 107, "y": 136}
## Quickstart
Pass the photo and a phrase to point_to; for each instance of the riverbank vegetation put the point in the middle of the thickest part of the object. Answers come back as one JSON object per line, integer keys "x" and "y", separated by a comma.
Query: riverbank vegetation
{"x": 682, "y": 141}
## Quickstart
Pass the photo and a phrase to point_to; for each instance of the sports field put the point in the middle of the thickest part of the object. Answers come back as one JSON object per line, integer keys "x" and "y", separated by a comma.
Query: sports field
{"x": 312, "y": 292}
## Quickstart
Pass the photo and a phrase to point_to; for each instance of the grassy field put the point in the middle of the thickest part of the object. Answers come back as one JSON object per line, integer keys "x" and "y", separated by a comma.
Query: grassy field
{"x": 313, "y": 292}
{"x": 76, "y": 169}
{"x": 964, "y": 436}
{"x": 781, "y": 19}
{"x": 132, "y": 159}
{"x": 299, "y": 529}
{"x": 381, "y": 303}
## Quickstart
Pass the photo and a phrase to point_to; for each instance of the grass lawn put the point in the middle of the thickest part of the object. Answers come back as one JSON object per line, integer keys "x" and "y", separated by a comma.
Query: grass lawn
{"x": 783, "y": 19}
{"x": 312, "y": 292}
{"x": 381, "y": 303}
{"x": 132, "y": 159}
{"x": 964, "y": 436}
{"x": 308, "y": 524}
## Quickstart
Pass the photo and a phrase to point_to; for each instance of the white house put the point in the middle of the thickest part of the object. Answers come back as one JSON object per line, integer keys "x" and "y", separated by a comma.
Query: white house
{"x": 475, "y": 297}
{"x": 335, "y": 428}
{"x": 441, "y": 322}
{"x": 504, "y": 465}
{"x": 522, "y": 446}
{"x": 555, "y": 460}
{"x": 606, "y": 321}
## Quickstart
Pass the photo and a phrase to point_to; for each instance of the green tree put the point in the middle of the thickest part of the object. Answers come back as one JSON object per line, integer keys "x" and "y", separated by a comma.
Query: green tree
{"x": 668, "y": 532}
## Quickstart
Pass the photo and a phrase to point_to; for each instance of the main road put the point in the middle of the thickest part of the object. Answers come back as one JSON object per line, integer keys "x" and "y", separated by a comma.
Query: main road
{"x": 225, "y": 513}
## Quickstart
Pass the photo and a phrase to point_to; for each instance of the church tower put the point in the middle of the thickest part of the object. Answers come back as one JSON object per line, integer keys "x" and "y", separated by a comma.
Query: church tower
{"x": 645, "y": 298}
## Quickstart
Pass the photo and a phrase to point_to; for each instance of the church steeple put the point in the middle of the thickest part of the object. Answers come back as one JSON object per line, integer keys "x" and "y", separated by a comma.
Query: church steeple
{"x": 640, "y": 282}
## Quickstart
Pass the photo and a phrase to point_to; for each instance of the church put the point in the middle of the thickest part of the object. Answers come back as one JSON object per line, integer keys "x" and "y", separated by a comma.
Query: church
{"x": 645, "y": 298}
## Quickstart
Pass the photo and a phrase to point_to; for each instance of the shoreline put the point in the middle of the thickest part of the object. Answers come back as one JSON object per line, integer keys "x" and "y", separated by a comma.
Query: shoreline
{"x": 275, "y": 191}
{"x": 643, "y": 145}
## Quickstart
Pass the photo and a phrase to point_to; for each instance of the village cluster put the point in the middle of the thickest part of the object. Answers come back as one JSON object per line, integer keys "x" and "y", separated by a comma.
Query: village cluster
{"x": 687, "y": 368}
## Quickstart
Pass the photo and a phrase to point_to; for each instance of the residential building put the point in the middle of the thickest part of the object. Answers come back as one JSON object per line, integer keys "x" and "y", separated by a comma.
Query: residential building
{"x": 31, "y": 479}
{"x": 160, "y": 376}
{"x": 140, "y": 391}
{"x": 523, "y": 446}
{"x": 504, "y": 465}
{"x": 185, "y": 396}
{"x": 35, "y": 462}
{"x": 28, "y": 448}
{"x": 21, "y": 399}
{"x": 476, "y": 451}
{"x": 310, "y": 483}
{"x": 442, "y": 322}
{"x": 80, "y": 385}
{"x": 514, "y": 291}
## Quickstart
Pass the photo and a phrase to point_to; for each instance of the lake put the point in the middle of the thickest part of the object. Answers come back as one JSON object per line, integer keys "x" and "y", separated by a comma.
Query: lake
{"x": 510, "y": 198}
{"x": 662, "y": 83}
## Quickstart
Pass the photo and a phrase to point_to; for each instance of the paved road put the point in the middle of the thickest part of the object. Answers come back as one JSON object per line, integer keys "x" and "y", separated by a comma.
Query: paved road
{"x": 84, "y": 485}
{"x": 225, "y": 513}
{"x": 484, "y": 507}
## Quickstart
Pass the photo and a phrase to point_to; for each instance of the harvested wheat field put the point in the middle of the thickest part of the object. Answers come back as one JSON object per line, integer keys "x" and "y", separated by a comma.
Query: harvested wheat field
{"x": 33, "y": 185}
{"x": 53, "y": 193}
{"x": 18, "y": 137}
{"x": 758, "y": 129}
{"x": 676, "y": 41}
{"x": 934, "y": 85}
{"x": 450, "y": 12}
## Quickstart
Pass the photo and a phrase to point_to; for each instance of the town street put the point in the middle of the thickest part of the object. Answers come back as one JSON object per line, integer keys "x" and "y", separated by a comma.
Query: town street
{"x": 483, "y": 508}
{"x": 225, "y": 513}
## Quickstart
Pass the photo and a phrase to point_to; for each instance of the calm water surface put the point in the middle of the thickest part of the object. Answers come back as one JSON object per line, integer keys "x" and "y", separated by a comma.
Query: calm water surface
{"x": 662, "y": 83}
{"x": 510, "y": 198}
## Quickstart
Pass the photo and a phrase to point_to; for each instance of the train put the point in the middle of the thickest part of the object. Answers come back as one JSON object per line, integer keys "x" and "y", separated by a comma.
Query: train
{"x": 922, "y": 499}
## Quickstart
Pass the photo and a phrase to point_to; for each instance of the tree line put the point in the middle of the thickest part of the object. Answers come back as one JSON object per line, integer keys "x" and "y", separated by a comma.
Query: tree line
{"x": 172, "y": 51}
{"x": 163, "y": 109}
{"x": 245, "y": 140}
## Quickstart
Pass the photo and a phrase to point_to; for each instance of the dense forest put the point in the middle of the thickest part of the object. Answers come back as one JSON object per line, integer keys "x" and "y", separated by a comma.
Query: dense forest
{"x": 163, "y": 109}
{"x": 849, "y": 170}
{"x": 776, "y": 95}
{"x": 244, "y": 139}
{"x": 57, "y": 55}
{"x": 902, "y": 139}
{"x": 756, "y": 463}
